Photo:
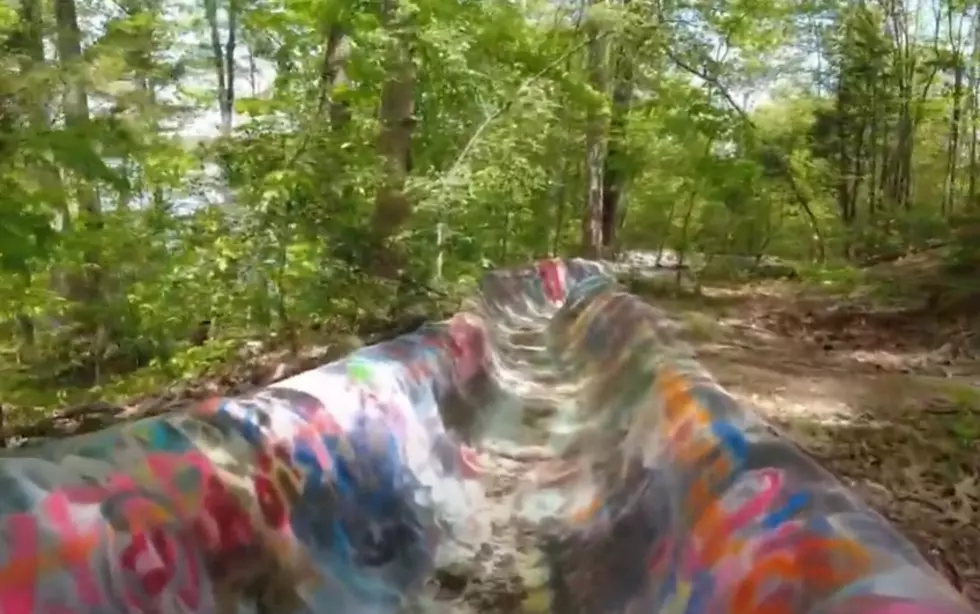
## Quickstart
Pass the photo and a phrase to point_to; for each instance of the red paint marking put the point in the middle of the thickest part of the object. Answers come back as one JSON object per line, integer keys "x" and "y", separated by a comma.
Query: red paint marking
{"x": 551, "y": 279}
{"x": 470, "y": 462}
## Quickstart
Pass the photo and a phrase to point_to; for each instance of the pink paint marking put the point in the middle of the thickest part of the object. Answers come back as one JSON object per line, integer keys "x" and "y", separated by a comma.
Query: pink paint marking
{"x": 772, "y": 481}
{"x": 209, "y": 406}
{"x": 16, "y": 594}
{"x": 190, "y": 591}
{"x": 778, "y": 538}
{"x": 551, "y": 279}
{"x": 166, "y": 467}
{"x": 657, "y": 559}
{"x": 56, "y": 608}
{"x": 436, "y": 342}
{"x": 58, "y": 512}
{"x": 90, "y": 495}
{"x": 321, "y": 423}
{"x": 726, "y": 573}
{"x": 470, "y": 462}
{"x": 157, "y": 559}
{"x": 878, "y": 604}
{"x": 469, "y": 347}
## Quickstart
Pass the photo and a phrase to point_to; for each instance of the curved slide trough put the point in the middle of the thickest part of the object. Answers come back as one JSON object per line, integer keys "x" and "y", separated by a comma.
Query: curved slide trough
{"x": 334, "y": 490}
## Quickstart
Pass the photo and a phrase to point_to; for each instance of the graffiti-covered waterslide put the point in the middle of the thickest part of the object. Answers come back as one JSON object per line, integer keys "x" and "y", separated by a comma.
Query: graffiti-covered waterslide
{"x": 333, "y": 491}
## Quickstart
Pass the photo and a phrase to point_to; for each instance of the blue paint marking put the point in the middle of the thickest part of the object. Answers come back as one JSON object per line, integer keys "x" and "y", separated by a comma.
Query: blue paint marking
{"x": 16, "y": 498}
{"x": 162, "y": 436}
{"x": 733, "y": 440}
{"x": 432, "y": 357}
{"x": 668, "y": 587}
{"x": 587, "y": 288}
{"x": 535, "y": 289}
{"x": 795, "y": 503}
{"x": 245, "y": 424}
{"x": 250, "y": 429}
{"x": 702, "y": 587}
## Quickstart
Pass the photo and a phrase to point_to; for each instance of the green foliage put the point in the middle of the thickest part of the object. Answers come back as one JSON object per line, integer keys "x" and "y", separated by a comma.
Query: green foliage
{"x": 836, "y": 278}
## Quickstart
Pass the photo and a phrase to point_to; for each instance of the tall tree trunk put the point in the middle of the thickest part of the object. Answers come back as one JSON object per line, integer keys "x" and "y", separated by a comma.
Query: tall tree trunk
{"x": 595, "y": 145}
{"x": 874, "y": 148}
{"x": 333, "y": 75}
{"x": 973, "y": 196}
{"x": 844, "y": 162}
{"x": 228, "y": 105}
{"x": 955, "y": 115}
{"x": 139, "y": 56}
{"x": 953, "y": 142}
{"x": 86, "y": 288}
{"x": 76, "y": 109}
{"x": 615, "y": 172}
{"x": 911, "y": 107}
{"x": 223, "y": 59}
{"x": 858, "y": 173}
{"x": 30, "y": 42}
{"x": 392, "y": 207}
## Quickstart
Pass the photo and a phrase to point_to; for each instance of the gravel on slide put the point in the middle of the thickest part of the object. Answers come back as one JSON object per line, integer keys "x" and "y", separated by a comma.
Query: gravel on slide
{"x": 501, "y": 574}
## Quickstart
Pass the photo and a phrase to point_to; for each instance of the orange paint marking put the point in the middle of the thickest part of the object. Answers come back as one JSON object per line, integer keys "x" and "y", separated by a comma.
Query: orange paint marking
{"x": 73, "y": 551}
{"x": 587, "y": 512}
{"x": 806, "y": 563}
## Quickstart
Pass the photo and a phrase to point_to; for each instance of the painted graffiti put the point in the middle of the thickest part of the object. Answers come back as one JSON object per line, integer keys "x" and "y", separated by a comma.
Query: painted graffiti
{"x": 305, "y": 481}
{"x": 330, "y": 491}
{"x": 731, "y": 517}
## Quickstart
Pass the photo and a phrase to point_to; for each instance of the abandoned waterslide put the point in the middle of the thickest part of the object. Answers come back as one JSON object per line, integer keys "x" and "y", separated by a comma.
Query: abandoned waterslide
{"x": 352, "y": 488}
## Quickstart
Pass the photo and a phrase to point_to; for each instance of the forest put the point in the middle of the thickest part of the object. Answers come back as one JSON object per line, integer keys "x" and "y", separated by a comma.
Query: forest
{"x": 201, "y": 196}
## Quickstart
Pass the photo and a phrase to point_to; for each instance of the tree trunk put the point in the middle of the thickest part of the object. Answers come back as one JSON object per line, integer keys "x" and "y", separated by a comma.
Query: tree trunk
{"x": 615, "y": 173}
{"x": 30, "y": 42}
{"x": 223, "y": 59}
{"x": 333, "y": 75}
{"x": 953, "y": 145}
{"x": 393, "y": 208}
{"x": 844, "y": 164}
{"x": 595, "y": 146}
{"x": 955, "y": 115}
{"x": 86, "y": 288}
{"x": 972, "y": 192}
{"x": 76, "y": 109}
{"x": 874, "y": 150}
